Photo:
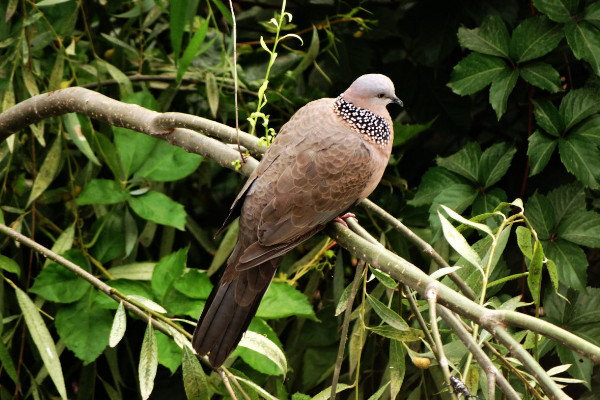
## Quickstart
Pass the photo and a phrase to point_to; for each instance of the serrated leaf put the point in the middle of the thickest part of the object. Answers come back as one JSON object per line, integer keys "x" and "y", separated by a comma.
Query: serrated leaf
{"x": 540, "y": 213}
{"x": 582, "y": 228}
{"x": 567, "y": 199}
{"x": 579, "y": 104}
{"x": 158, "y": 207}
{"x": 557, "y": 10}
{"x": 148, "y": 362}
{"x": 501, "y": 88}
{"x": 581, "y": 158}
{"x": 102, "y": 191}
{"x": 541, "y": 75}
{"x": 490, "y": 38}
{"x": 524, "y": 241}
{"x": 548, "y": 117}
{"x": 458, "y": 242}
{"x": 584, "y": 40}
{"x": 589, "y": 129}
{"x": 433, "y": 182}
{"x": 58, "y": 284}
{"x": 166, "y": 271}
{"x": 541, "y": 147}
{"x": 47, "y": 171}
{"x": 194, "y": 378}
{"x": 475, "y": 72}
{"x": 494, "y": 163}
{"x": 262, "y": 345}
{"x": 43, "y": 341}
{"x": 533, "y": 38}
{"x": 464, "y": 162}
{"x": 571, "y": 263}
{"x": 534, "y": 279}
{"x": 387, "y": 315}
{"x": 118, "y": 327}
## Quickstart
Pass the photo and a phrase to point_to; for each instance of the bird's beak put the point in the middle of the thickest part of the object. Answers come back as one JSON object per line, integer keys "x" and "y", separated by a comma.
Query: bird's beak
{"x": 396, "y": 100}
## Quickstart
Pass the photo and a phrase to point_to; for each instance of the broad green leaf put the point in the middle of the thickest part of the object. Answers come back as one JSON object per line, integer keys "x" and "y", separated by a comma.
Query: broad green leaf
{"x": 110, "y": 241}
{"x": 410, "y": 335}
{"x": 582, "y": 368}
{"x": 102, "y": 191}
{"x": 387, "y": 315}
{"x": 557, "y": 10}
{"x": 490, "y": 38}
{"x": 148, "y": 362}
{"x": 592, "y": 13}
{"x": 548, "y": 117}
{"x": 474, "y": 72}
{"x": 225, "y": 247}
{"x": 159, "y": 208}
{"x": 540, "y": 213}
{"x": 494, "y": 163}
{"x": 581, "y": 158}
{"x": 283, "y": 300}
{"x": 77, "y": 127}
{"x": 541, "y": 147}
{"x": 570, "y": 261}
{"x": 582, "y": 228}
{"x": 257, "y": 360}
{"x": 180, "y": 304}
{"x": 169, "y": 352}
{"x": 266, "y": 348}
{"x": 166, "y": 271}
{"x": 433, "y": 182}
{"x": 194, "y": 379}
{"x": 9, "y": 265}
{"x": 541, "y": 75}
{"x": 567, "y": 199}
{"x": 397, "y": 367}
{"x": 58, "y": 284}
{"x": 134, "y": 149}
{"x": 579, "y": 104}
{"x": 404, "y": 132}
{"x": 587, "y": 306}
{"x": 48, "y": 170}
{"x": 192, "y": 48}
{"x": 194, "y": 283}
{"x": 534, "y": 279}
{"x": 43, "y": 341}
{"x": 117, "y": 331}
{"x": 459, "y": 243}
{"x": 126, "y": 287}
{"x": 584, "y": 40}
{"x": 166, "y": 163}
{"x": 589, "y": 129}
{"x": 501, "y": 88}
{"x": 464, "y": 162}
{"x": 533, "y": 38}
{"x": 456, "y": 197}
{"x": 524, "y": 241}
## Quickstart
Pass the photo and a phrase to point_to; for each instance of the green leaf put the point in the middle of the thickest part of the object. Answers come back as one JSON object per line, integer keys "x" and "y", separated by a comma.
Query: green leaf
{"x": 102, "y": 191}
{"x": 128, "y": 288}
{"x": 579, "y": 104}
{"x": 283, "y": 300}
{"x": 63, "y": 243}
{"x": 396, "y": 366}
{"x": 387, "y": 315}
{"x": 194, "y": 379}
{"x": 384, "y": 278}
{"x": 459, "y": 243}
{"x": 584, "y": 40}
{"x": 494, "y": 163}
{"x": 117, "y": 331}
{"x": 85, "y": 328}
{"x": 58, "y": 284}
{"x": 548, "y": 117}
{"x": 567, "y": 199}
{"x": 212, "y": 93}
{"x": 178, "y": 18}
{"x": 570, "y": 261}
{"x": 377, "y": 395}
{"x": 167, "y": 163}
{"x": 465, "y": 162}
{"x": 524, "y": 241}
{"x": 9, "y": 265}
{"x": 581, "y": 367}
{"x": 169, "y": 353}
{"x": 410, "y": 335}
{"x": 265, "y": 348}
{"x": 192, "y": 48}
{"x": 148, "y": 362}
{"x": 179, "y": 304}
{"x": 533, "y": 38}
{"x": 225, "y": 247}
{"x": 541, "y": 147}
{"x": 404, "y": 132}
{"x": 540, "y": 213}
{"x": 125, "y": 85}
{"x": 433, "y": 182}
{"x": 159, "y": 208}
{"x": 167, "y": 270}
{"x": 592, "y": 13}
{"x": 582, "y": 228}
{"x": 490, "y": 38}
{"x": 110, "y": 242}
{"x": 259, "y": 361}
{"x": 47, "y": 171}
{"x": 77, "y": 127}
{"x": 194, "y": 283}
{"x": 474, "y": 72}
{"x": 581, "y": 158}
{"x": 456, "y": 197}
{"x": 43, "y": 341}
{"x": 7, "y": 362}
{"x": 590, "y": 129}
{"x": 541, "y": 75}
{"x": 501, "y": 88}
{"x": 557, "y": 10}
{"x": 343, "y": 301}
{"x": 534, "y": 279}
{"x": 138, "y": 271}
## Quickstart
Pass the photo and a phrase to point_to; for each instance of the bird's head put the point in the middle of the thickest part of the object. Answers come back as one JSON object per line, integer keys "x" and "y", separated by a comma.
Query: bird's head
{"x": 372, "y": 92}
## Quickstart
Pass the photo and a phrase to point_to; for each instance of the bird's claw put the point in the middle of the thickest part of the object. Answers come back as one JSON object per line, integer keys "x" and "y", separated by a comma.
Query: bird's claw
{"x": 341, "y": 218}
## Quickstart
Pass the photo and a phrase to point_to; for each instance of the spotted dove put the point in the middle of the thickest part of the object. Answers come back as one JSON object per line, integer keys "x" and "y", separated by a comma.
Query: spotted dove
{"x": 328, "y": 157}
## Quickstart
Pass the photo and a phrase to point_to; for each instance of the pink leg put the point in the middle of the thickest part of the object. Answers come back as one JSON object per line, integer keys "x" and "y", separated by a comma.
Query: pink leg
{"x": 341, "y": 218}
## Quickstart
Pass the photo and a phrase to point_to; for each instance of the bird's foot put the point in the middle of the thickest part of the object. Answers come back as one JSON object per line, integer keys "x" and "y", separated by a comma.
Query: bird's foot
{"x": 341, "y": 218}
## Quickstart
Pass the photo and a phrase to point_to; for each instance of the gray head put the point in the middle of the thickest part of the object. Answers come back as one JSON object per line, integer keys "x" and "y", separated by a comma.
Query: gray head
{"x": 372, "y": 92}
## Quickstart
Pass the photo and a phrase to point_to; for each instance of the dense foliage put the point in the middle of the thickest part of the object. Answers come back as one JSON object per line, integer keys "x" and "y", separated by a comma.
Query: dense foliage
{"x": 502, "y": 102}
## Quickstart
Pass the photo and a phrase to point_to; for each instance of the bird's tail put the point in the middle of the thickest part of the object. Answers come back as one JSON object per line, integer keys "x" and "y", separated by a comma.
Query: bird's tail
{"x": 228, "y": 311}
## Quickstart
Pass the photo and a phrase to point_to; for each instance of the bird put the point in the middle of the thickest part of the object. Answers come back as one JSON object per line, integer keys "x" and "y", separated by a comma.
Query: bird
{"x": 328, "y": 157}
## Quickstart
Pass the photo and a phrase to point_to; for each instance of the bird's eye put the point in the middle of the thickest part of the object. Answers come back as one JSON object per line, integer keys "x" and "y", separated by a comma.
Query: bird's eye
{"x": 380, "y": 96}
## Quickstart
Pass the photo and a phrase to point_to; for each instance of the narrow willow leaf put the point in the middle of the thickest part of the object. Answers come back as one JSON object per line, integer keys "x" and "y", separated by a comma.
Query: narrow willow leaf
{"x": 9, "y": 265}
{"x": 136, "y": 271}
{"x": 534, "y": 279}
{"x": 192, "y": 49}
{"x": 119, "y": 325}
{"x": 63, "y": 243}
{"x": 396, "y": 367}
{"x": 212, "y": 93}
{"x": 57, "y": 71}
{"x": 7, "y": 362}
{"x": 148, "y": 303}
{"x": 47, "y": 171}
{"x": 148, "y": 362}
{"x": 410, "y": 335}
{"x": 194, "y": 378}
{"x": 459, "y": 243}
{"x": 384, "y": 278}
{"x": 325, "y": 394}
{"x": 43, "y": 341}
{"x": 225, "y": 248}
{"x": 443, "y": 272}
{"x": 262, "y": 345}
{"x": 459, "y": 218}
{"x": 259, "y": 390}
{"x": 343, "y": 303}
{"x": 377, "y": 395}
{"x": 387, "y": 315}
{"x": 75, "y": 128}
{"x": 524, "y": 241}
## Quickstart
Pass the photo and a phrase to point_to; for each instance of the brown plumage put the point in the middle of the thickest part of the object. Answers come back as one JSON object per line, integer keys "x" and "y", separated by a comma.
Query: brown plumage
{"x": 329, "y": 156}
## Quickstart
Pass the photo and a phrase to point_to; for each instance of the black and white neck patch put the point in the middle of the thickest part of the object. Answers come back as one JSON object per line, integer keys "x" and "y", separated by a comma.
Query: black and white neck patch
{"x": 364, "y": 121}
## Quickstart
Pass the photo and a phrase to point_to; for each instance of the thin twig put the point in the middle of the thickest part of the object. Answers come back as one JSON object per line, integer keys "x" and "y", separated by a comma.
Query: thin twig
{"x": 235, "y": 83}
